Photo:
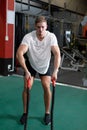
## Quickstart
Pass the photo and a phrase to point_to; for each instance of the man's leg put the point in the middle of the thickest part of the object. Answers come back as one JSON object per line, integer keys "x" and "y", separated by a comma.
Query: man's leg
{"x": 45, "y": 80}
{"x": 24, "y": 97}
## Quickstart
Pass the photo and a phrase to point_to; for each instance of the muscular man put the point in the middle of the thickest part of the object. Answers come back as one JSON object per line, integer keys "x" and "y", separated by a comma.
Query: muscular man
{"x": 39, "y": 44}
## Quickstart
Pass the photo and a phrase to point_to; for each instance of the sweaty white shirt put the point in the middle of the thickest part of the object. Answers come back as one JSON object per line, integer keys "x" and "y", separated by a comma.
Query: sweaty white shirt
{"x": 40, "y": 51}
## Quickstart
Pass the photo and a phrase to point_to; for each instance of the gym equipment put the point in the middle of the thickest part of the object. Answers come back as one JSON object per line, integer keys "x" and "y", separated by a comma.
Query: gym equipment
{"x": 73, "y": 64}
{"x": 52, "y": 104}
{"x": 27, "y": 105}
{"x": 77, "y": 53}
{"x": 72, "y": 60}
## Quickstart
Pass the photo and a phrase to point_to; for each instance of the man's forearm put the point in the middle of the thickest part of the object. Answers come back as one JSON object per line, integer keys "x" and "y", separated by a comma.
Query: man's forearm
{"x": 56, "y": 63}
{"x": 22, "y": 61}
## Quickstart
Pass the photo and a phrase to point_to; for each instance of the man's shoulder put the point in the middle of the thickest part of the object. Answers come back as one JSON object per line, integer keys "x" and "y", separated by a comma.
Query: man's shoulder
{"x": 30, "y": 34}
{"x": 50, "y": 34}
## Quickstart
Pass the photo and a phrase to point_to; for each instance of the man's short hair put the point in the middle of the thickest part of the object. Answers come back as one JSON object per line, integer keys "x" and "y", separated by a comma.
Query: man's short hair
{"x": 40, "y": 19}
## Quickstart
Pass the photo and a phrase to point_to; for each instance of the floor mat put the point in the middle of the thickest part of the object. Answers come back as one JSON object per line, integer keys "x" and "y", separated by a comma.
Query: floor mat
{"x": 69, "y": 110}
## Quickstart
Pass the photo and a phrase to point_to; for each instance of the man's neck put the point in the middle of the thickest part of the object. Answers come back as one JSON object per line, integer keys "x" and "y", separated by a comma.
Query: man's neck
{"x": 41, "y": 37}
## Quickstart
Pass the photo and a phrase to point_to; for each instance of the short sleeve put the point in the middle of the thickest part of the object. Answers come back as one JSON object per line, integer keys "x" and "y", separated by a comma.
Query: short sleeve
{"x": 54, "y": 40}
{"x": 25, "y": 40}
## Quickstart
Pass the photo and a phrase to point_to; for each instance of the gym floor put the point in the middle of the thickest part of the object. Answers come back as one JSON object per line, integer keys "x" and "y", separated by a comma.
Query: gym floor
{"x": 71, "y": 77}
{"x": 69, "y": 110}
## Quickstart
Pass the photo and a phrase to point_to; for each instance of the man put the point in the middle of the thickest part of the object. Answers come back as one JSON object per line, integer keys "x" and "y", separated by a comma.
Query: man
{"x": 39, "y": 44}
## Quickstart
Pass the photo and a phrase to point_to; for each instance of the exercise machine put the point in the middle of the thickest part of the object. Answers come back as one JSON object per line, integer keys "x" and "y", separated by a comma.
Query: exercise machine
{"x": 72, "y": 63}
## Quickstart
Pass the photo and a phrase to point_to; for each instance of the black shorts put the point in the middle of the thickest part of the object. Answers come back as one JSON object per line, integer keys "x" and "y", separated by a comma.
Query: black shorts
{"x": 34, "y": 72}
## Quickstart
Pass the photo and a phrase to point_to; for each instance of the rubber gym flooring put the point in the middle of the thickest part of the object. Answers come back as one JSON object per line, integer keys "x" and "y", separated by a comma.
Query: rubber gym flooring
{"x": 70, "y": 110}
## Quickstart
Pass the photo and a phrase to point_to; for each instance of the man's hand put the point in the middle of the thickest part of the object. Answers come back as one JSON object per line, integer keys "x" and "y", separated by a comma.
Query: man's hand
{"x": 27, "y": 75}
{"x": 54, "y": 75}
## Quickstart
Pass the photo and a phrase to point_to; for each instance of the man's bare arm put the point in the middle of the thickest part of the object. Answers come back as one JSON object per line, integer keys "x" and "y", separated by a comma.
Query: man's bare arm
{"x": 57, "y": 60}
{"x": 20, "y": 56}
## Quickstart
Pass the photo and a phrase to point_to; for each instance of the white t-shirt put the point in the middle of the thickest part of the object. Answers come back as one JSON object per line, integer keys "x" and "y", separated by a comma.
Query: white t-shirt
{"x": 40, "y": 51}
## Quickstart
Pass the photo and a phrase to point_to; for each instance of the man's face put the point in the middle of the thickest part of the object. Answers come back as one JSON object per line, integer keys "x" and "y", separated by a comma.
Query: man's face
{"x": 41, "y": 28}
